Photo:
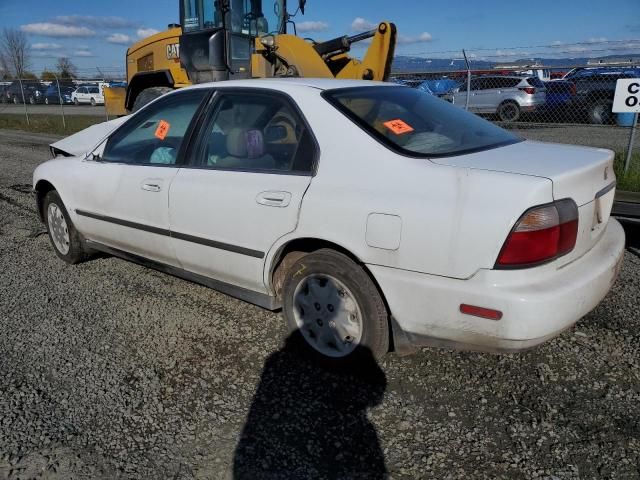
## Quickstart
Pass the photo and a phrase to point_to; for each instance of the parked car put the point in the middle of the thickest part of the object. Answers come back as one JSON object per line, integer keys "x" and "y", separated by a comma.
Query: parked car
{"x": 366, "y": 211}
{"x": 595, "y": 89}
{"x": 506, "y": 96}
{"x": 29, "y": 91}
{"x": 58, "y": 96}
{"x": 3, "y": 88}
{"x": 90, "y": 94}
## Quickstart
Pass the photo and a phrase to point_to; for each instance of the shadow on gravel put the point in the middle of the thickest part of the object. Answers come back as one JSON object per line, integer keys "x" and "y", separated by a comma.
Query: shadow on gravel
{"x": 309, "y": 422}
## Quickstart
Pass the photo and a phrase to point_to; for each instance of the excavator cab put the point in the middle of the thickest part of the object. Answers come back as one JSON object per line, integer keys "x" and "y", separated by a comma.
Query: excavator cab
{"x": 218, "y": 36}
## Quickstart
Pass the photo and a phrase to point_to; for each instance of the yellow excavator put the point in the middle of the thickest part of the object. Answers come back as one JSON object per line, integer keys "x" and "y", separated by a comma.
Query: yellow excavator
{"x": 232, "y": 39}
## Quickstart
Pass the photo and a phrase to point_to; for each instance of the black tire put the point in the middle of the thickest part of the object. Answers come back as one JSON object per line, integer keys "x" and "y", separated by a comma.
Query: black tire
{"x": 46, "y": 100}
{"x": 93, "y": 102}
{"x": 600, "y": 113}
{"x": 148, "y": 95}
{"x": 509, "y": 111}
{"x": 32, "y": 101}
{"x": 15, "y": 100}
{"x": 375, "y": 318}
{"x": 77, "y": 253}
{"x": 76, "y": 102}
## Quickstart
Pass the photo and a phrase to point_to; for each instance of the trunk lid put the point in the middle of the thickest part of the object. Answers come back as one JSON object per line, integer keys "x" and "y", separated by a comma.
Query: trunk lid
{"x": 576, "y": 172}
{"x": 583, "y": 174}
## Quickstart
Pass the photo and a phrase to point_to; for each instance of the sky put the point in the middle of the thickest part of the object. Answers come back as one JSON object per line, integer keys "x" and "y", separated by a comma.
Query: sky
{"x": 96, "y": 34}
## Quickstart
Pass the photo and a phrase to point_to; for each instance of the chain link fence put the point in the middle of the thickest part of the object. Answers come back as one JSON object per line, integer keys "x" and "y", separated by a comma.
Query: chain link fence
{"x": 564, "y": 104}
{"x": 58, "y": 97}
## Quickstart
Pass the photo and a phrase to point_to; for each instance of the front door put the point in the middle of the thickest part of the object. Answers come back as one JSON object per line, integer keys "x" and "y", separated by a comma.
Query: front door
{"x": 123, "y": 194}
{"x": 244, "y": 187}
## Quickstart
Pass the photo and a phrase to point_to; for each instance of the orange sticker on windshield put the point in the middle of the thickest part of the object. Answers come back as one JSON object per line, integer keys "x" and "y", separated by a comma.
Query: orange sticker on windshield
{"x": 162, "y": 130}
{"x": 398, "y": 126}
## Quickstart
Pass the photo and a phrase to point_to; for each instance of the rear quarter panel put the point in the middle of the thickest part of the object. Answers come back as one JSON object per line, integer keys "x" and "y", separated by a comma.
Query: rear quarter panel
{"x": 453, "y": 220}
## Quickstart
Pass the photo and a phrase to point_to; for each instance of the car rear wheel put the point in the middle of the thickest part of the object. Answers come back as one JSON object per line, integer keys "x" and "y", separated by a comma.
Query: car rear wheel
{"x": 15, "y": 100}
{"x": 32, "y": 101}
{"x": 75, "y": 101}
{"x": 330, "y": 301}
{"x": 600, "y": 112}
{"x": 64, "y": 237}
{"x": 509, "y": 111}
{"x": 46, "y": 100}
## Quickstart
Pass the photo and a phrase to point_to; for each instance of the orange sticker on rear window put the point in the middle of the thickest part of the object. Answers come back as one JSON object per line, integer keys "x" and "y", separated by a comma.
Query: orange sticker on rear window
{"x": 398, "y": 126}
{"x": 162, "y": 130}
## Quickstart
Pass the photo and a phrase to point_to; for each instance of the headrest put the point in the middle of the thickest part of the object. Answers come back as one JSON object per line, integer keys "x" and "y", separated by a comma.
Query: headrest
{"x": 245, "y": 143}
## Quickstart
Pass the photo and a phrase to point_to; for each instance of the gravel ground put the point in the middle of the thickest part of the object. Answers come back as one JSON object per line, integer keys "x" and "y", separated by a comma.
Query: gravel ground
{"x": 111, "y": 370}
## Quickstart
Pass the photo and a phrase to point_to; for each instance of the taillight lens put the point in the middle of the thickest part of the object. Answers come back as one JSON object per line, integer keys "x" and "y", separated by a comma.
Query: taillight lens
{"x": 529, "y": 90}
{"x": 542, "y": 234}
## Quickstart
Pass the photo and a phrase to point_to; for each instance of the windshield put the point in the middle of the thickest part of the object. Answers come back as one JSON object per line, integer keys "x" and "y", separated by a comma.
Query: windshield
{"x": 415, "y": 123}
{"x": 244, "y": 16}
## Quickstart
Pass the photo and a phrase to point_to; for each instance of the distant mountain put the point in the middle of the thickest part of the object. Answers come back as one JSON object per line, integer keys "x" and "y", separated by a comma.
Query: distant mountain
{"x": 403, "y": 63}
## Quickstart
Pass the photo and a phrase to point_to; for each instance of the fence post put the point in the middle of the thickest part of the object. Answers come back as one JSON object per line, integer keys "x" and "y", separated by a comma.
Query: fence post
{"x": 627, "y": 162}
{"x": 466, "y": 60}
{"x": 24, "y": 102}
{"x": 64, "y": 122}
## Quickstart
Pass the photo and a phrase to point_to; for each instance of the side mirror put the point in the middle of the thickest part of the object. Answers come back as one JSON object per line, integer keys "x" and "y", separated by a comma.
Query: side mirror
{"x": 301, "y": 4}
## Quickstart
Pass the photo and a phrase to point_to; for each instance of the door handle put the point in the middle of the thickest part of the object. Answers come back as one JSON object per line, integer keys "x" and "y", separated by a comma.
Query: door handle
{"x": 274, "y": 199}
{"x": 151, "y": 187}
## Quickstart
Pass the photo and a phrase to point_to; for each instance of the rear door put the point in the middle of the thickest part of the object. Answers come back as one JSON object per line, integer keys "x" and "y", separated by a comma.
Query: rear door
{"x": 243, "y": 188}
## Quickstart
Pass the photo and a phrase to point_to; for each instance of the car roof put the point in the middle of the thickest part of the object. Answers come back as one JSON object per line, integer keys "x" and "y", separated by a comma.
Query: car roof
{"x": 285, "y": 84}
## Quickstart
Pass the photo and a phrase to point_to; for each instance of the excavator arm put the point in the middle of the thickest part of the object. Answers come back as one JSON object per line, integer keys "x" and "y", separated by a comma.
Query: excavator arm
{"x": 289, "y": 55}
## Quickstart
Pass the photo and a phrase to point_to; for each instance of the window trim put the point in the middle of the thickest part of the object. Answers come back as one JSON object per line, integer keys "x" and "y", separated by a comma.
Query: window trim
{"x": 373, "y": 133}
{"x": 186, "y": 139}
{"x": 195, "y": 148}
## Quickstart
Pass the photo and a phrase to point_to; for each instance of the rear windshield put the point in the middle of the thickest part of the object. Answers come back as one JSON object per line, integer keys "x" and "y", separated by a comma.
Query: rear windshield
{"x": 415, "y": 123}
{"x": 535, "y": 82}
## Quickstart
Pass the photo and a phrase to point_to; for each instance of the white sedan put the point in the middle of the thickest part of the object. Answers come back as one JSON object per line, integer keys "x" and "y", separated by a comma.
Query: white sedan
{"x": 376, "y": 216}
{"x": 88, "y": 94}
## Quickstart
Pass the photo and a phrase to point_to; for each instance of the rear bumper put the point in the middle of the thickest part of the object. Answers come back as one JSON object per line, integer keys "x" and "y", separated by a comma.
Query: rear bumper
{"x": 537, "y": 304}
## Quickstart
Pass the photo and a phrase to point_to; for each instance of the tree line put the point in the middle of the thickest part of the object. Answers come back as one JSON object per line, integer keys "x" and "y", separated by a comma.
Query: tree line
{"x": 15, "y": 60}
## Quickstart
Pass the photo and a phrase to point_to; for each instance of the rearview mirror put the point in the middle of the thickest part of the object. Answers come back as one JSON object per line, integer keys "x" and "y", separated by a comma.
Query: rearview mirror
{"x": 301, "y": 4}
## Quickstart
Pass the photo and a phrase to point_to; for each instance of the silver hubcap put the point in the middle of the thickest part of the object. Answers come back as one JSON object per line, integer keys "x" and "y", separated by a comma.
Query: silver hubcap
{"x": 327, "y": 315}
{"x": 58, "y": 228}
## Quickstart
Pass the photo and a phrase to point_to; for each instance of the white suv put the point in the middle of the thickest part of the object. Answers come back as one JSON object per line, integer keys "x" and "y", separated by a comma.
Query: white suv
{"x": 89, "y": 94}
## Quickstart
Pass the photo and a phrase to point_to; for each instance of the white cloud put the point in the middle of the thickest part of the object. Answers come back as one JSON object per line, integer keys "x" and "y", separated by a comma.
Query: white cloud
{"x": 359, "y": 24}
{"x": 83, "y": 53}
{"x": 119, "y": 38}
{"x": 312, "y": 26}
{"x": 146, "y": 32}
{"x": 46, "y": 46}
{"x": 95, "y": 21}
{"x": 597, "y": 40}
{"x": 47, "y": 29}
{"x": 424, "y": 37}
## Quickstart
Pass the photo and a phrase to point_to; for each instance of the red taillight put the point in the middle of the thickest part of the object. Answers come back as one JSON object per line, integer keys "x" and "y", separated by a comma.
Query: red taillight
{"x": 574, "y": 89}
{"x": 488, "y": 313}
{"x": 542, "y": 234}
{"x": 529, "y": 90}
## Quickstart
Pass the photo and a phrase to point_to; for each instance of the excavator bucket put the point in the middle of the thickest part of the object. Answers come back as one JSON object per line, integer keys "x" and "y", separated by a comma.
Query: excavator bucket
{"x": 114, "y": 98}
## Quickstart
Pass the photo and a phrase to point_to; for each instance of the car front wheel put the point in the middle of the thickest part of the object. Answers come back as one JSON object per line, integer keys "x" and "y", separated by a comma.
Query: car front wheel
{"x": 64, "y": 237}
{"x": 93, "y": 102}
{"x": 335, "y": 309}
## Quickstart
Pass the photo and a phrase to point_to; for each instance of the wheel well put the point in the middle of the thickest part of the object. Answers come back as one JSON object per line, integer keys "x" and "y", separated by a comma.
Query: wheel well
{"x": 292, "y": 251}
{"x": 142, "y": 81}
{"x": 42, "y": 188}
